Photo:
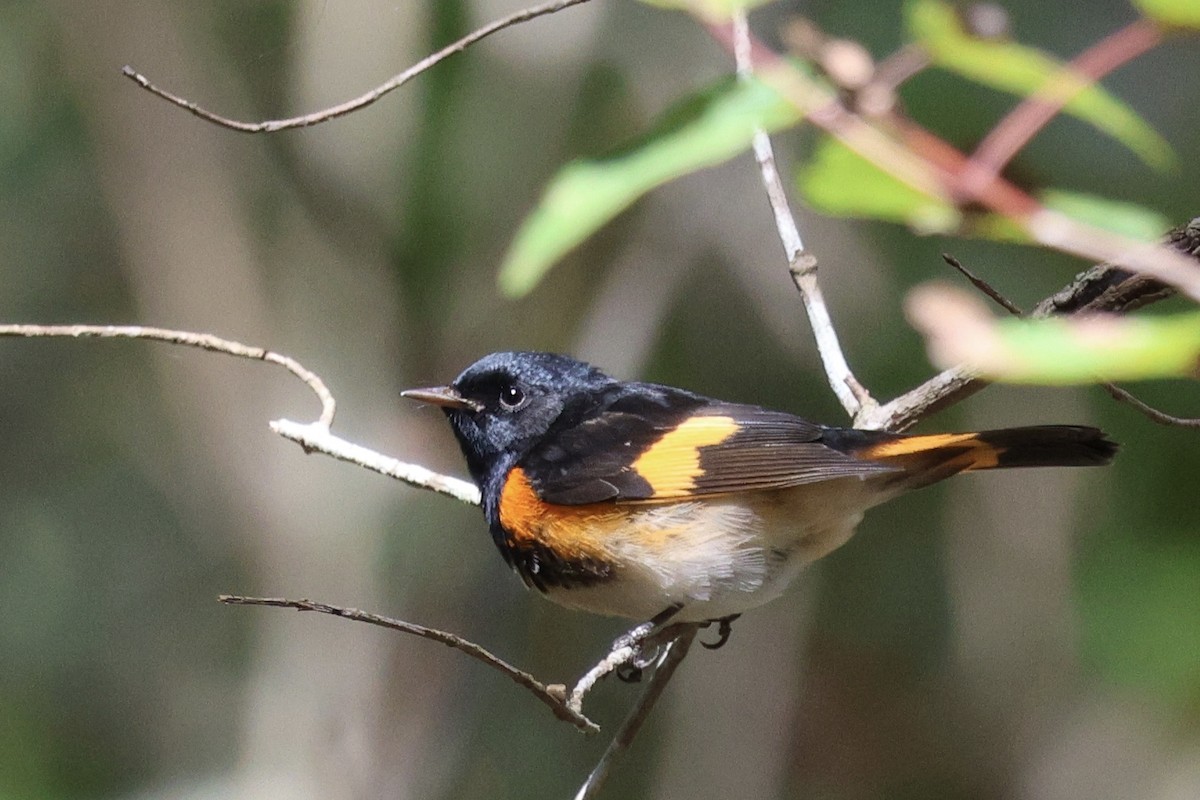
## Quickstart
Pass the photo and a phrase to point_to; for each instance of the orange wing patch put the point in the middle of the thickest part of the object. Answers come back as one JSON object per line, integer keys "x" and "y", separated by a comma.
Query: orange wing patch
{"x": 672, "y": 464}
{"x": 570, "y": 532}
{"x": 979, "y": 453}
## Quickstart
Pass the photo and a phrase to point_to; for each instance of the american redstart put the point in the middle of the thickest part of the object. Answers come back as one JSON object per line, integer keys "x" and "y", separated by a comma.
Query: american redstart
{"x": 645, "y": 501}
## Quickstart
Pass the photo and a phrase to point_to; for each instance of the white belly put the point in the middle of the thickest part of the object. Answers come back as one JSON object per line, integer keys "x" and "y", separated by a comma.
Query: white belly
{"x": 721, "y": 556}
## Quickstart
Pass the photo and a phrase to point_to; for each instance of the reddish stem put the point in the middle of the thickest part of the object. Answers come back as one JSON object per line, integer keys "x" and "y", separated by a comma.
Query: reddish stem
{"x": 1021, "y": 124}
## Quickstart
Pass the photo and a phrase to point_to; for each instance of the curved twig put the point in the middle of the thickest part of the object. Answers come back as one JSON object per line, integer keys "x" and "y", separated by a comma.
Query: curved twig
{"x": 313, "y": 437}
{"x": 362, "y": 101}
{"x": 553, "y": 699}
{"x": 1161, "y": 417}
{"x": 203, "y": 341}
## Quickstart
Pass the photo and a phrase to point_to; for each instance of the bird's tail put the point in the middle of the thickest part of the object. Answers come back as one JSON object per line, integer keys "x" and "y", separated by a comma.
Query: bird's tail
{"x": 928, "y": 458}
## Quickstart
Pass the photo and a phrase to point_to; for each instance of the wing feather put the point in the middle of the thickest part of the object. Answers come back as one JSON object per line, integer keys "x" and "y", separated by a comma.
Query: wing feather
{"x": 685, "y": 446}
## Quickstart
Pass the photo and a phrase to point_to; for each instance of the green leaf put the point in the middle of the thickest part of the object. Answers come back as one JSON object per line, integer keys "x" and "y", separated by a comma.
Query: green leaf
{"x": 704, "y": 130}
{"x": 1058, "y": 351}
{"x": 1180, "y": 13}
{"x": 840, "y": 182}
{"x": 1127, "y": 219}
{"x": 1083, "y": 351}
{"x": 1022, "y": 71}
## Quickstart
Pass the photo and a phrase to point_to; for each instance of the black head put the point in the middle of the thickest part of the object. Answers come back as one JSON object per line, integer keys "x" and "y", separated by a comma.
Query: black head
{"x": 501, "y": 405}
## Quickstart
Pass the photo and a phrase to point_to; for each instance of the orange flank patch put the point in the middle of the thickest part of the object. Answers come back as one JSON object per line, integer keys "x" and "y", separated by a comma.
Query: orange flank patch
{"x": 672, "y": 464}
{"x": 980, "y": 454}
{"x": 571, "y": 532}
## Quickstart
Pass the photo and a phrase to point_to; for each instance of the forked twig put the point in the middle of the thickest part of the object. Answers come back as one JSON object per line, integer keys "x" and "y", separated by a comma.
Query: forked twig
{"x": 362, "y": 101}
{"x": 931, "y": 165}
{"x": 669, "y": 660}
{"x": 554, "y": 700}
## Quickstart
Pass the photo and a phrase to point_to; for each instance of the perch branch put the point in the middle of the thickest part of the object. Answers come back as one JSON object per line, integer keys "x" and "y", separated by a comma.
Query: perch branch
{"x": 546, "y": 694}
{"x": 349, "y": 106}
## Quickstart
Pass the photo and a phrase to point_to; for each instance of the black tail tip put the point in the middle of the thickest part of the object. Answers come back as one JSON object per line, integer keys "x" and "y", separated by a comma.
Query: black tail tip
{"x": 1052, "y": 446}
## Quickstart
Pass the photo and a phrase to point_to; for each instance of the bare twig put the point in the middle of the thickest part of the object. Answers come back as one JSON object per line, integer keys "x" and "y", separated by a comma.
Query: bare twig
{"x": 202, "y": 341}
{"x": 604, "y": 667}
{"x": 333, "y": 112}
{"x": 313, "y": 437}
{"x": 941, "y": 391}
{"x": 551, "y": 698}
{"x": 624, "y": 651}
{"x": 1162, "y": 418}
{"x": 982, "y": 285}
{"x": 671, "y": 657}
{"x": 1021, "y": 124}
{"x": 802, "y": 264}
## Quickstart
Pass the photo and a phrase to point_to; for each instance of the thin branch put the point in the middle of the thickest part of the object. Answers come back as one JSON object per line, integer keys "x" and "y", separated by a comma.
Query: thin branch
{"x": 1162, "y": 418}
{"x": 983, "y": 286}
{"x": 552, "y": 698}
{"x": 1116, "y": 392}
{"x": 801, "y": 264}
{"x": 672, "y": 656}
{"x": 1032, "y": 114}
{"x": 941, "y": 391}
{"x": 333, "y": 112}
{"x": 898, "y": 68}
{"x": 604, "y": 667}
{"x": 313, "y": 437}
{"x": 202, "y": 341}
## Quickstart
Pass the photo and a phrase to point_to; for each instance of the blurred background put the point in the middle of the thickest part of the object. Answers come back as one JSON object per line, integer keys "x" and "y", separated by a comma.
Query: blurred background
{"x": 1030, "y": 635}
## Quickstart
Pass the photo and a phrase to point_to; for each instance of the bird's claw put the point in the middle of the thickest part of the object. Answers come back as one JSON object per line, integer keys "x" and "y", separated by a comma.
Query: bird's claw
{"x": 724, "y": 629}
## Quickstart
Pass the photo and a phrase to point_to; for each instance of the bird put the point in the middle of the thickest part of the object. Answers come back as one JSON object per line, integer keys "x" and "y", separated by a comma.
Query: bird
{"x": 654, "y": 503}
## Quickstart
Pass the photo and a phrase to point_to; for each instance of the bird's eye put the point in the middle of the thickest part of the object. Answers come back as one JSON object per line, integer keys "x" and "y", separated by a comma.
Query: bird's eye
{"x": 511, "y": 396}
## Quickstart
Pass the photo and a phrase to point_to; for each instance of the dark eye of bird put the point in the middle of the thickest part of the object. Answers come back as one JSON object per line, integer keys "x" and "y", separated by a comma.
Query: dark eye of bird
{"x": 511, "y": 396}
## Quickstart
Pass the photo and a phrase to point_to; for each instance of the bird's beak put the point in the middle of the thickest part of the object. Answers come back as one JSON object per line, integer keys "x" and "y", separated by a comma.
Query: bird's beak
{"x": 444, "y": 396}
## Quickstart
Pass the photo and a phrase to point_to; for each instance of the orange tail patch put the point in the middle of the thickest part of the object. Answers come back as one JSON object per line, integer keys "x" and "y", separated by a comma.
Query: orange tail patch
{"x": 967, "y": 451}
